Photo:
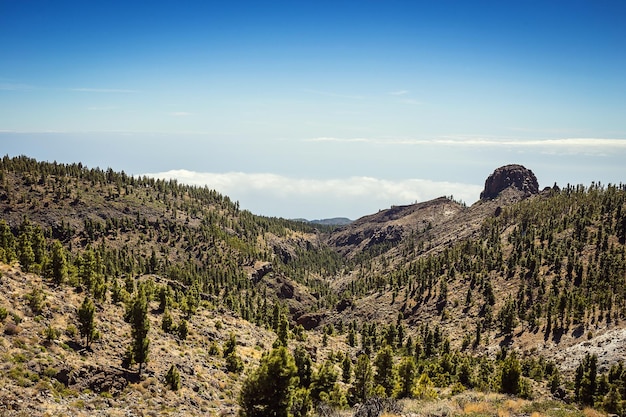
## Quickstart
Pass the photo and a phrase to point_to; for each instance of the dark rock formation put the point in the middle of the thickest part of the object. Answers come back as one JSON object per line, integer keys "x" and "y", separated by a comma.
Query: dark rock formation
{"x": 507, "y": 176}
{"x": 95, "y": 378}
{"x": 344, "y": 304}
{"x": 310, "y": 320}
{"x": 391, "y": 234}
{"x": 286, "y": 290}
{"x": 260, "y": 270}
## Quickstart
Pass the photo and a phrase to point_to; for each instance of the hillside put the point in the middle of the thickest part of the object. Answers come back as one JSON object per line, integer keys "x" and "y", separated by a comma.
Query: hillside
{"x": 450, "y": 287}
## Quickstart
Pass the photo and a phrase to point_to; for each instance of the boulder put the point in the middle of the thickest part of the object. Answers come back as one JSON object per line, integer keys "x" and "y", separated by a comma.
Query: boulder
{"x": 311, "y": 320}
{"x": 510, "y": 176}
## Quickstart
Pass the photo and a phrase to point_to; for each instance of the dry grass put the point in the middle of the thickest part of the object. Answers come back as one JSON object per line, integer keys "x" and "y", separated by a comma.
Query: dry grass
{"x": 205, "y": 385}
{"x": 478, "y": 408}
{"x": 590, "y": 412}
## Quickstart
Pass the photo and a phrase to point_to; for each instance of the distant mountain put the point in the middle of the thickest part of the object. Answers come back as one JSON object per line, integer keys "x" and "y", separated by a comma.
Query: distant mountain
{"x": 335, "y": 221}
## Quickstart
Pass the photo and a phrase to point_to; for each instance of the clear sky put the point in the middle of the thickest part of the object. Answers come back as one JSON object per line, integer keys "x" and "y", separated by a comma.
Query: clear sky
{"x": 319, "y": 108}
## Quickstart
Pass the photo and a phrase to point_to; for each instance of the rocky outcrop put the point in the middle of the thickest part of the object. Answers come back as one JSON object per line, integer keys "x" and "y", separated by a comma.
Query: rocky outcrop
{"x": 516, "y": 176}
{"x": 389, "y": 227}
{"x": 310, "y": 320}
{"x": 96, "y": 378}
{"x": 260, "y": 269}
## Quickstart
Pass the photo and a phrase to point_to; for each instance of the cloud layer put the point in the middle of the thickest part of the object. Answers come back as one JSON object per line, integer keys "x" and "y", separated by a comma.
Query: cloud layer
{"x": 579, "y": 143}
{"x": 276, "y": 195}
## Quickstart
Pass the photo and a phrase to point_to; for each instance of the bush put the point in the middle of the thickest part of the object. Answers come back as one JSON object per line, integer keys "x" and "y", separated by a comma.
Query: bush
{"x": 51, "y": 333}
{"x": 234, "y": 363}
{"x": 214, "y": 349}
{"x": 182, "y": 329}
{"x": 16, "y": 318}
{"x": 3, "y": 313}
{"x": 173, "y": 378}
{"x": 35, "y": 300}
{"x": 71, "y": 331}
{"x": 167, "y": 323}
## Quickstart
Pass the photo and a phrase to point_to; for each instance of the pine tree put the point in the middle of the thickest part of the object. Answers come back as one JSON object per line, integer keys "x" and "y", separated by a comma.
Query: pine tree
{"x": 86, "y": 315}
{"x": 58, "y": 263}
{"x": 304, "y": 365}
{"x": 137, "y": 315}
{"x": 406, "y": 377}
{"x": 283, "y": 329}
{"x": 363, "y": 379}
{"x": 346, "y": 369}
{"x": 511, "y": 374}
{"x": 27, "y": 256}
{"x": 233, "y": 361}
{"x": 323, "y": 381}
{"x": 384, "y": 376}
{"x": 269, "y": 390}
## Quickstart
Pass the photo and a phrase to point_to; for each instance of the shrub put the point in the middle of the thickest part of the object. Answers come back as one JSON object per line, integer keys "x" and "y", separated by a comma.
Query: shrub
{"x": 214, "y": 349}
{"x": 182, "y": 329}
{"x": 71, "y": 331}
{"x": 234, "y": 363}
{"x": 16, "y": 318}
{"x": 172, "y": 378}
{"x": 51, "y": 333}
{"x": 167, "y": 323}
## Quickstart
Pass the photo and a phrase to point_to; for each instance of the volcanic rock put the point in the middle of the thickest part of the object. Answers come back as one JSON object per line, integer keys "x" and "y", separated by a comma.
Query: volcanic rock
{"x": 516, "y": 176}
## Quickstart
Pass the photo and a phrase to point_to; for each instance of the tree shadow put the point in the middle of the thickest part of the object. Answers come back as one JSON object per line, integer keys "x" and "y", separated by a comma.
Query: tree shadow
{"x": 578, "y": 331}
{"x": 507, "y": 341}
{"x": 557, "y": 334}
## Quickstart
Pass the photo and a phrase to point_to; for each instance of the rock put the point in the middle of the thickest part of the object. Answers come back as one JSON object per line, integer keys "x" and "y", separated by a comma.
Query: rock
{"x": 64, "y": 376}
{"x": 391, "y": 234}
{"x": 311, "y": 320}
{"x": 260, "y": 270}
{"x": 286, "y": 290}
{"x": 516, "y": 176}
{"x": 344, "y": 304}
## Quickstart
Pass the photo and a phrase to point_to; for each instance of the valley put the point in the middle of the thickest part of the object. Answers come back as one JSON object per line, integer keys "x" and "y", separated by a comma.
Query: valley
{"x": 521, "y": 295}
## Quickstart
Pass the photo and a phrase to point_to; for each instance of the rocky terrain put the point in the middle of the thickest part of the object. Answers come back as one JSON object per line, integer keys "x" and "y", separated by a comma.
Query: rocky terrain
{"x": 520, "y": 270}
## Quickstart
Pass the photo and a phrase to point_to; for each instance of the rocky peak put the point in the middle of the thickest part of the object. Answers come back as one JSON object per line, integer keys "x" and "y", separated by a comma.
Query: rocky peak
{"x": 516, "y": 176}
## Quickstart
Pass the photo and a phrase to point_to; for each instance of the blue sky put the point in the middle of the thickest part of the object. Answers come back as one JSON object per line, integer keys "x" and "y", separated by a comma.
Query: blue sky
{"x": 319, "y": 109}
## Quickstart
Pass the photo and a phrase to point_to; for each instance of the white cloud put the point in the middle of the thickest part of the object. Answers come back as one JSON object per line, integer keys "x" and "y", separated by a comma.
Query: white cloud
{"x": 569, "y": 145}
{"x": 399, "y": 93}
{"x": 180, "y": 114}
{"x": 276, "y": 195}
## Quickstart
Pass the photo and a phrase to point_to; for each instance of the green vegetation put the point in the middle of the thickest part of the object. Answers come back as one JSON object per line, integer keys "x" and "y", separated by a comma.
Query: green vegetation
{"x": 269, "y": 390}
{"x": 548, "y": 267}
{"x": 86, "y": 320}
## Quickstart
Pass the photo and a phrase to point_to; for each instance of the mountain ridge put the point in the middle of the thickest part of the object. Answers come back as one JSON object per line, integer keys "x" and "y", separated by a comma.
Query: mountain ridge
{"x": 527, "y": 272}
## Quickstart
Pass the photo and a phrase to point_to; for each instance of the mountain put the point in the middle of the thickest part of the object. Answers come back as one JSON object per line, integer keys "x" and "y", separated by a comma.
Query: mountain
{"x": 335, "y": 221}
{"x": 526, "y": 278}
